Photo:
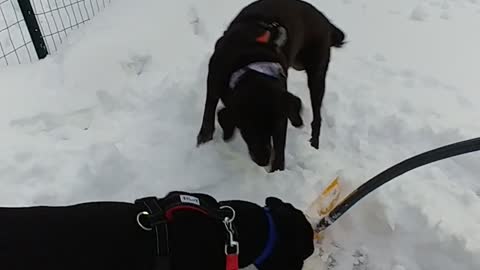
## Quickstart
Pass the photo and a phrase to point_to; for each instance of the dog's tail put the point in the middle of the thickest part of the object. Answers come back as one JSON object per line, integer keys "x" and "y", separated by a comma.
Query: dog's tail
{"x": 337, "y": 37}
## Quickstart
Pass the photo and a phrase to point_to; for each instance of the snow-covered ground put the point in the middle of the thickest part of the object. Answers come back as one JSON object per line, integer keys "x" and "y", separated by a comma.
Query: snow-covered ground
{"x": 114, "y": 114}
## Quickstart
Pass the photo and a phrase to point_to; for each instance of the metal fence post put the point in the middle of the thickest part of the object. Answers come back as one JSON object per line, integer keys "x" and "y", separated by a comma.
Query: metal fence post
{"x": 33, "y": 28}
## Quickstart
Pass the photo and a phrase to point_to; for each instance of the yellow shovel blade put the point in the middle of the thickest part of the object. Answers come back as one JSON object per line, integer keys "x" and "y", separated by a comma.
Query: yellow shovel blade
{"x": 328, "y": 198}
{"x": 326, "y": 201}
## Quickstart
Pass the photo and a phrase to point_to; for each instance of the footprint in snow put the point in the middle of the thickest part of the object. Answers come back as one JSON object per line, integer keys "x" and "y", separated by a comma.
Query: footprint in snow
{"x": 328, "y": 259}
{"x": 196, "y": 22}
{"x": 137, "y": 64}
{"x": 46, "y": 122}
{"x": 360, "y": 260}
{"x": 419, "y": 13}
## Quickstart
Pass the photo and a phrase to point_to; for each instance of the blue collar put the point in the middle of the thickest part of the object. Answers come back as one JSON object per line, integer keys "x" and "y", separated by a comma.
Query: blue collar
{"x": 271, "y": 241}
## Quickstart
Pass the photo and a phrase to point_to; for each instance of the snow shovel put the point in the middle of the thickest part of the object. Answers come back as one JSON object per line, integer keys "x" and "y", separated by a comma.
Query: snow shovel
{"x": 329, "y": 210}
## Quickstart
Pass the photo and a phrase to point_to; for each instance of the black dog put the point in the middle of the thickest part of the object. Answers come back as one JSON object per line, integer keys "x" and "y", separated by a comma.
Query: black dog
{"x": 248, "y": 72}
{"x": 178, "y": 232}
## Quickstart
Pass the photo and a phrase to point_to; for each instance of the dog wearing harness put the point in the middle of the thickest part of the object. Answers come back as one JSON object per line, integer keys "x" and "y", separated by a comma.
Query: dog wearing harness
{"x": 179, "y": 231}
{"x": 248, "y": 72}
{"x": 157, "y": 218}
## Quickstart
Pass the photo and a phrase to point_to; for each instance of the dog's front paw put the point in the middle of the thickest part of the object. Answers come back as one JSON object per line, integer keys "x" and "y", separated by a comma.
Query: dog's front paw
{"x": 204, "y": 136}
{"x": 314, "y": 142}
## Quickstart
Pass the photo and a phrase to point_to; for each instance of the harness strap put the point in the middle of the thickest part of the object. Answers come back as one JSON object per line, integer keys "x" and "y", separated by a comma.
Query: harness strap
{"x": 158, "y": 222}
{"x": 272, "y": 69}
{"x": 183, "y": 201}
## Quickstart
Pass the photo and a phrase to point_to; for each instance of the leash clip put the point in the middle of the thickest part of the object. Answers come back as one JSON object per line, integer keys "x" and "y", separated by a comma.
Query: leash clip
{"x": 231, "y": 242}
{"x": 231, "y": 257}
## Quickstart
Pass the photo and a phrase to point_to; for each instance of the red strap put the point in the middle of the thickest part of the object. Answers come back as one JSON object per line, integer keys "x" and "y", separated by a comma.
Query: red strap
{"x": 169, "y": 213}
{"x": 265, "y": 38}
{"x": 232, "y": 262}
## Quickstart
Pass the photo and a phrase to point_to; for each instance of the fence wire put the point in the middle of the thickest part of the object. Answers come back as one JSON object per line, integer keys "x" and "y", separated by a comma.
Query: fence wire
{"x": 56, "y": 19}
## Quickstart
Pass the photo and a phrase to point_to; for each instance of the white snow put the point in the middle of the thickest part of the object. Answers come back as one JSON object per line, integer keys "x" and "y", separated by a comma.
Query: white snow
{"x": 113, "y": 115}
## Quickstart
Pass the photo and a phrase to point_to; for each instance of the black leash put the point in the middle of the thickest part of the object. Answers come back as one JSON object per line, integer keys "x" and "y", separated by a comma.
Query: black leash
{"x": 451, "y": 150}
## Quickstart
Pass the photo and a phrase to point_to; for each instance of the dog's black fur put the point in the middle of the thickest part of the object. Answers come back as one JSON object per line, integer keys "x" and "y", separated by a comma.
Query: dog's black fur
{"x": 106, "y": 236}
{"x": 260, "y": 106}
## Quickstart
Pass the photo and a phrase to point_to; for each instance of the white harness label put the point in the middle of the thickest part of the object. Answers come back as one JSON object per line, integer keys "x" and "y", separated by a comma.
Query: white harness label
{"x": 189, "y": 199}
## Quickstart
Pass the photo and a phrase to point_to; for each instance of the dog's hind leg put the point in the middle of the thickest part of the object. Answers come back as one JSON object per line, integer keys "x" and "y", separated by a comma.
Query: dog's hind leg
{"x": 208, "y": 121}
{"x": 316, "y": 67}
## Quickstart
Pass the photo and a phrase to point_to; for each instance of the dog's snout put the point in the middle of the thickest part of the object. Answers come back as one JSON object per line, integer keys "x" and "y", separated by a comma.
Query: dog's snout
{"x": 261, "y": 155}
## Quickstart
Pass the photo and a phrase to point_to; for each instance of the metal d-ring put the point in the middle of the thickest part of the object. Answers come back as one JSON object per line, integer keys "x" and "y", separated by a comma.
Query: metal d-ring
{"x": 144, "y": 213}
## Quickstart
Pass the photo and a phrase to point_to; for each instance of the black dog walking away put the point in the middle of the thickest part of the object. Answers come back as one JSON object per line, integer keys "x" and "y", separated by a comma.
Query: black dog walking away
{"x": 248, "y": 72}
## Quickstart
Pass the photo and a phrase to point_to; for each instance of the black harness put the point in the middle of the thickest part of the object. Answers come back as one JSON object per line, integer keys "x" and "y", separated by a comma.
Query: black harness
{"x": 159, "y": 212}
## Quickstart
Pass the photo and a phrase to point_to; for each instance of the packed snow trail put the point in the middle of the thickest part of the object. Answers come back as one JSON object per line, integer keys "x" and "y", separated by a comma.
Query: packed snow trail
{"x": 114, "y": 116}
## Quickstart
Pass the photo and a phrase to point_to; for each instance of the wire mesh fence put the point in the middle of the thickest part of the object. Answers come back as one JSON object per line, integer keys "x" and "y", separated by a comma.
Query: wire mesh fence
{"x": 30, "y": 29}
{"x": 15, "y": 43}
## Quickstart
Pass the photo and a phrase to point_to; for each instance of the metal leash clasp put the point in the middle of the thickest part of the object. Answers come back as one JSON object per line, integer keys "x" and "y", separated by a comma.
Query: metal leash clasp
{"x": 231, "y": 242}
{"x": 231, "y": 257}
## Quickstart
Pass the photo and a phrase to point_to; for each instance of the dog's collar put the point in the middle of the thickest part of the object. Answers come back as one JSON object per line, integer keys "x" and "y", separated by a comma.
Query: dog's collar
{"x": 269, "y": 246}
{"x": 274, "y": 33}
{"x": 271, "y": 69}
{"x": 271, "y": 241}
{"x": 274, "y": 29}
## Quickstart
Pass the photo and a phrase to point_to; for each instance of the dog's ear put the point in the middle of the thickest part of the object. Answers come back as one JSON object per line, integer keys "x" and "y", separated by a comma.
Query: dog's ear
{"x": 227, "y": 122}
{"x": 273, "y": 202}
{"x": 294, "y": 109}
